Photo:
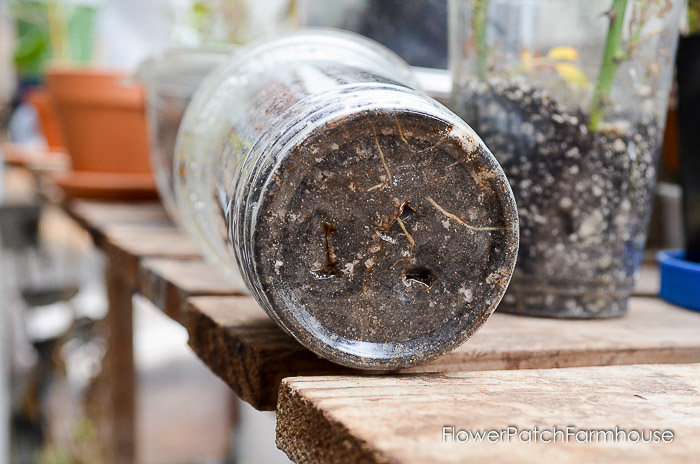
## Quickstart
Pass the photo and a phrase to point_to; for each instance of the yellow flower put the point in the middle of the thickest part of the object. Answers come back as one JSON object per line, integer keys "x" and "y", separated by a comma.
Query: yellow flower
{"x": 571, "y": 74}
{"x": 563, "y": 54}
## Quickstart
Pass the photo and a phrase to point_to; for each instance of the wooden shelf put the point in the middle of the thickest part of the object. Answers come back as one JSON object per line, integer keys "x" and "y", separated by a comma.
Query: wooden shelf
{"x": 401, "y": 418}
{"x": 516, "y": 370}
{"x": 235, "y": 338}
{"x": 168, "y": 283}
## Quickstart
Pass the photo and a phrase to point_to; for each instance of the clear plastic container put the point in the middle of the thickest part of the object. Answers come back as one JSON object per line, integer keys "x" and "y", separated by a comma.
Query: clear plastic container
{"x": 170, "y": 79}
{"x": 571, "y": 97}
{"x": 366, "y": 219}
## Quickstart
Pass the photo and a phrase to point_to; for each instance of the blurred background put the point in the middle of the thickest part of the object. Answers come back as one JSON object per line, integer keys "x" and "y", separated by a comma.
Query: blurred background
{"x": 52, "y": 293}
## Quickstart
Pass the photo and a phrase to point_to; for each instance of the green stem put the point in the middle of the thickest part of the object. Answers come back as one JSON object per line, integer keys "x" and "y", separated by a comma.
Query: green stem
{"x": 693, "y": 16}
{"x": 612, "y": 55}
{"x": 480, "y": 8}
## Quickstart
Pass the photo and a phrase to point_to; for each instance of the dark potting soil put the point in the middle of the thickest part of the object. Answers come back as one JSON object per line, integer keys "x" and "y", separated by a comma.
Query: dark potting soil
{"x": 383, "y": 240}
{"x": 583, "y": 197}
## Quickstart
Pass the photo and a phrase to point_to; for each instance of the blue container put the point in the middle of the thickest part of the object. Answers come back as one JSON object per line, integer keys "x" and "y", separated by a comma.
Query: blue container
{"x": 680, "y": 279}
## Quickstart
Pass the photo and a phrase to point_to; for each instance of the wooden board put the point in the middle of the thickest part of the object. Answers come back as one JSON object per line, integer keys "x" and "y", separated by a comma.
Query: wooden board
{"x": 400, "y": 419}
{"x": 234, "y": 337}
{"x": 34, "y": 158}
{"x": 649, "y": 280}
{"x": 95, "y": 215}
{"x": 17, "y": 187}
{"x": 118, "y": 366}
{"x": 126, "y": 233}
{"x": 169, "y": 282}
{"x": 131, "y": 244}
{"x": 240, "y": 344}
{"x": 98, "y": 214}
{"x": 129, "y": 232}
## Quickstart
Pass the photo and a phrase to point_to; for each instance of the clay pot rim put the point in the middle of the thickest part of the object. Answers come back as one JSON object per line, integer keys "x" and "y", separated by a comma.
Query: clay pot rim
{"x": 103, "y": 87}
{"x": 86, "y": 71}
{"x": 106, "y": 185}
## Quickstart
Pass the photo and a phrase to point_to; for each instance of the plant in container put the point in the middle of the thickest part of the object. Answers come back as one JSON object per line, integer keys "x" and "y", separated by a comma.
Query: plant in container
{"x": 570, "y": 96}
{"x": 45, "y": 31}
{"x": 101, "y": 118}
{"x": 50, "y": 30}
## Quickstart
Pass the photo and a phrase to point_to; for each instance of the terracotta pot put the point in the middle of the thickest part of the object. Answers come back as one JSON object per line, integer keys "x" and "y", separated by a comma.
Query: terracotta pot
{"x": 103, "y": 120}
{"x": 48, "y": 120}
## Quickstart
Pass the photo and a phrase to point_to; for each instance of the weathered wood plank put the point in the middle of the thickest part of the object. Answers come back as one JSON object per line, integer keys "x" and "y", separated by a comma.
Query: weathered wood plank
{"x": 119, "y": 365}
{"x": 234, "y": 337}
{"x": 95, "y": 215}
{"x": 131, "y": 231}
{"x": 135, "y": 243}
{"x": 169, "y": 282}
{"x": 98, "y": 214}
{"x": 17, "y": 187}
{"x": 400, "y": 419}
{"x": 240, "y": 344}
{"x": 126, "y": 233}
{"x": 33, "y": 158}
{"x": 649, "y": 280}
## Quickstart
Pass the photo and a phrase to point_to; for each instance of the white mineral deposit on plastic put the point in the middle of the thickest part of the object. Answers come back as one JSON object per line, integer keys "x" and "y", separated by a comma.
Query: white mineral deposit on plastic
{"x": 348, "y": 269}
{"x": 467, "y": 294}
{"x": 466, "y": 138}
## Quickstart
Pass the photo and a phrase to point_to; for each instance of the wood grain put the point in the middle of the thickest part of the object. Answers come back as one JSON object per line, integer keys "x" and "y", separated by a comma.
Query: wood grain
{"x": 234, "y": 337}
{"x": 119, "y": 364}
{"x": 132, "y": 232}
{"x": 400, "y": 419}
{"x": 169, "y": 282}
{"x": 95, "y": 216}
{"x": 99, "y": 215}
{"x": 126, "y": 233}
{"x": 135, "y": 243}
{"x": 244, "y": 347}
